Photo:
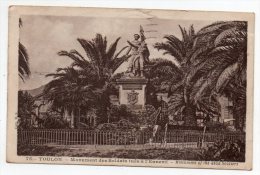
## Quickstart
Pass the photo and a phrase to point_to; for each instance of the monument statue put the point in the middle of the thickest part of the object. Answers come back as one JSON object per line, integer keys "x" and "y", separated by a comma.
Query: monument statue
{"x": 139, "y": 54}
{"x": 132, "y": 86}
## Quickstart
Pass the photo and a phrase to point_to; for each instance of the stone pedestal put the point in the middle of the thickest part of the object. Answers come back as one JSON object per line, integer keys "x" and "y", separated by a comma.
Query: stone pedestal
{"x": 132, "y": 92}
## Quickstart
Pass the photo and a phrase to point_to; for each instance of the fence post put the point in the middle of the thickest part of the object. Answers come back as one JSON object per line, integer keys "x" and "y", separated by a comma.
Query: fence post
{"x": 203, "y": 136}
{"x": 95, "y": 138}
{"x": 66, "y": 142}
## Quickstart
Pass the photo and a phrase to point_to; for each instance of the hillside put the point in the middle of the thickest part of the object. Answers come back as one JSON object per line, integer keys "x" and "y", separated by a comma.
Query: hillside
{"x": 36, "y": 91}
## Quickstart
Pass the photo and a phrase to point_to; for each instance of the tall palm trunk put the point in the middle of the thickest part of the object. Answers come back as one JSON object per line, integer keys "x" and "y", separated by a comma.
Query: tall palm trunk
{"x": 239, "y": 119}
{"x": 72, "y": 121}
{"x": 190, "y": 109}
{"x": 76, "y": 116}
{"x": 190, "y": 115}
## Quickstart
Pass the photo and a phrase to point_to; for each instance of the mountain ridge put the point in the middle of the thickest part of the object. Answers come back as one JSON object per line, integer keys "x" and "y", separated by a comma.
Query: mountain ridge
{"x": 36, "y": 91}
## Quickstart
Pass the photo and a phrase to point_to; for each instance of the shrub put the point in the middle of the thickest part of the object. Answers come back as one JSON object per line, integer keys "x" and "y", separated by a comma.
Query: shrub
{"x": 55, "y": 123}
{"x": 225, "y": 151}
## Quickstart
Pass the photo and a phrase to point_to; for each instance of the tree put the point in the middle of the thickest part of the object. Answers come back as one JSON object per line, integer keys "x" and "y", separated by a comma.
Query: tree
{"x": 68, "y": 92}
{"x": 160, "y": 73}
{"x": 87, "y": 82}
{"x": 213, "y": 62}
{"x": 224, "y": 67}
{"x": 180, "y": 91}
{"x": 23, "y": 59}
{"x": 26, "y": 110}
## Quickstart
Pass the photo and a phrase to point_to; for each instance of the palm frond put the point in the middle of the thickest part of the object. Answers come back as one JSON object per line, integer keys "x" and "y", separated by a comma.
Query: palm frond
{"x": 217, "y": 26}
{"x": 192, "y": 31}
{"x": 176, "y": 102}
{"x": 77, "y": 53}
{"x": 175, "y": 42}
{"x": 115, "y": 63}
{"x": 224, "y": 34}
{"x": 196, "y": 53}
{"x": 176, "y": 86}
{"x": 210, "y": 82}
{"x": 184, "y": 33}
{"x": 112, "y": 49}
{"x": 101, "y": 46}
{"x": 90, "y": 50}
{"x": 221, "y": 49}
{"x": 170, "y": 50}
{"x": 118, "y": 53}
{"x": 226, "y": 76}
{"x": 23, "y": 61}
{"x": 100, "y": 43}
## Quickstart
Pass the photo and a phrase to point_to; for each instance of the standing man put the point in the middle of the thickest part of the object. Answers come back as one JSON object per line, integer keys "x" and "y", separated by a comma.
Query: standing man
{"x": 161, "y": 120}
{"x": 143, "y": 52}
{"x": 134, "y": 45}
{"x": 139, "y": 54}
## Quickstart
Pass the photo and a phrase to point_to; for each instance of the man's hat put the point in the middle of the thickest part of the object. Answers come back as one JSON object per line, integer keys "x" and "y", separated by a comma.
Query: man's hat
{"x": 137, "y": 35}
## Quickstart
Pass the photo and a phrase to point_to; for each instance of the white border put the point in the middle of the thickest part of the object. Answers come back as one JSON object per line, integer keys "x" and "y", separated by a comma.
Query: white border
{"x": 220, "y": 5}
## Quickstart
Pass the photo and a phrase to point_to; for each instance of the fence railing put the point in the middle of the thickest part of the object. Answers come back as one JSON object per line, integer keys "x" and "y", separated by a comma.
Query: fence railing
{"x": 96, "y": 138}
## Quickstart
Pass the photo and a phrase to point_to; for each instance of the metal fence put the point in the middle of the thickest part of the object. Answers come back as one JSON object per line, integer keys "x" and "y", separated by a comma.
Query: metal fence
{"x": 123, "y": 138}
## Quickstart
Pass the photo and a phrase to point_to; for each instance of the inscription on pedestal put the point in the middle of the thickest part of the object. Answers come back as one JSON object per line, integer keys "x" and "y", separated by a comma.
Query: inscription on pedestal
{"x": 132, "y": 87}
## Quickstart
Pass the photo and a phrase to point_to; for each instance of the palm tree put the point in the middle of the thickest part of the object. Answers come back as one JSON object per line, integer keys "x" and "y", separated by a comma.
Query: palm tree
{"x": 183, "y": 53}
{"x": 99, "y": 61}
{"x": 87, "y": 81}
{"x": 181, "y": 50}
{"x": 227, "y": 57}
{"x": 213, "y": 63}
{"x": 68, "y": 92}
{"x": 224, "y": 67}
{"x": 23, "y": 59}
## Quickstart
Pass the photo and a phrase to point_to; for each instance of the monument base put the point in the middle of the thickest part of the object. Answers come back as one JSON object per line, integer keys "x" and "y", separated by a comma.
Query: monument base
{"x": 132, "y": 92}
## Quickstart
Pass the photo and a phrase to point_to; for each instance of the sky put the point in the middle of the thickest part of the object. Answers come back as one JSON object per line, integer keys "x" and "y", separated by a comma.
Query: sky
{"x": 45, "y": 36}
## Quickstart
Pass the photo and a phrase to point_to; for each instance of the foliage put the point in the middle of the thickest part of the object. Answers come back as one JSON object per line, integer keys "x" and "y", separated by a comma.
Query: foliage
{"x": 182, "y": 52}
{"x": 55, "y": 123}
{"x": 225, "y": 65}
{"x": 26, "y": 110}
{"x": 213, "y": 63}
{"x": 121, "y": 112}
{"x": 161, "y": 74}
{"x": 225, "y": 151}
{"x": 207, "y": 64}
{"x": 23, "y": 59}
{"x": 123, "y": 119}
{"x": 87, "y": 82}
{"x": 24, "y": 70}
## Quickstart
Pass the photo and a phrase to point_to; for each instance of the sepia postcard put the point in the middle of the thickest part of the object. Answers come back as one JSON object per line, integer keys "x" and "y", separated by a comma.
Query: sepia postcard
{"x": 130, "y": 87}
